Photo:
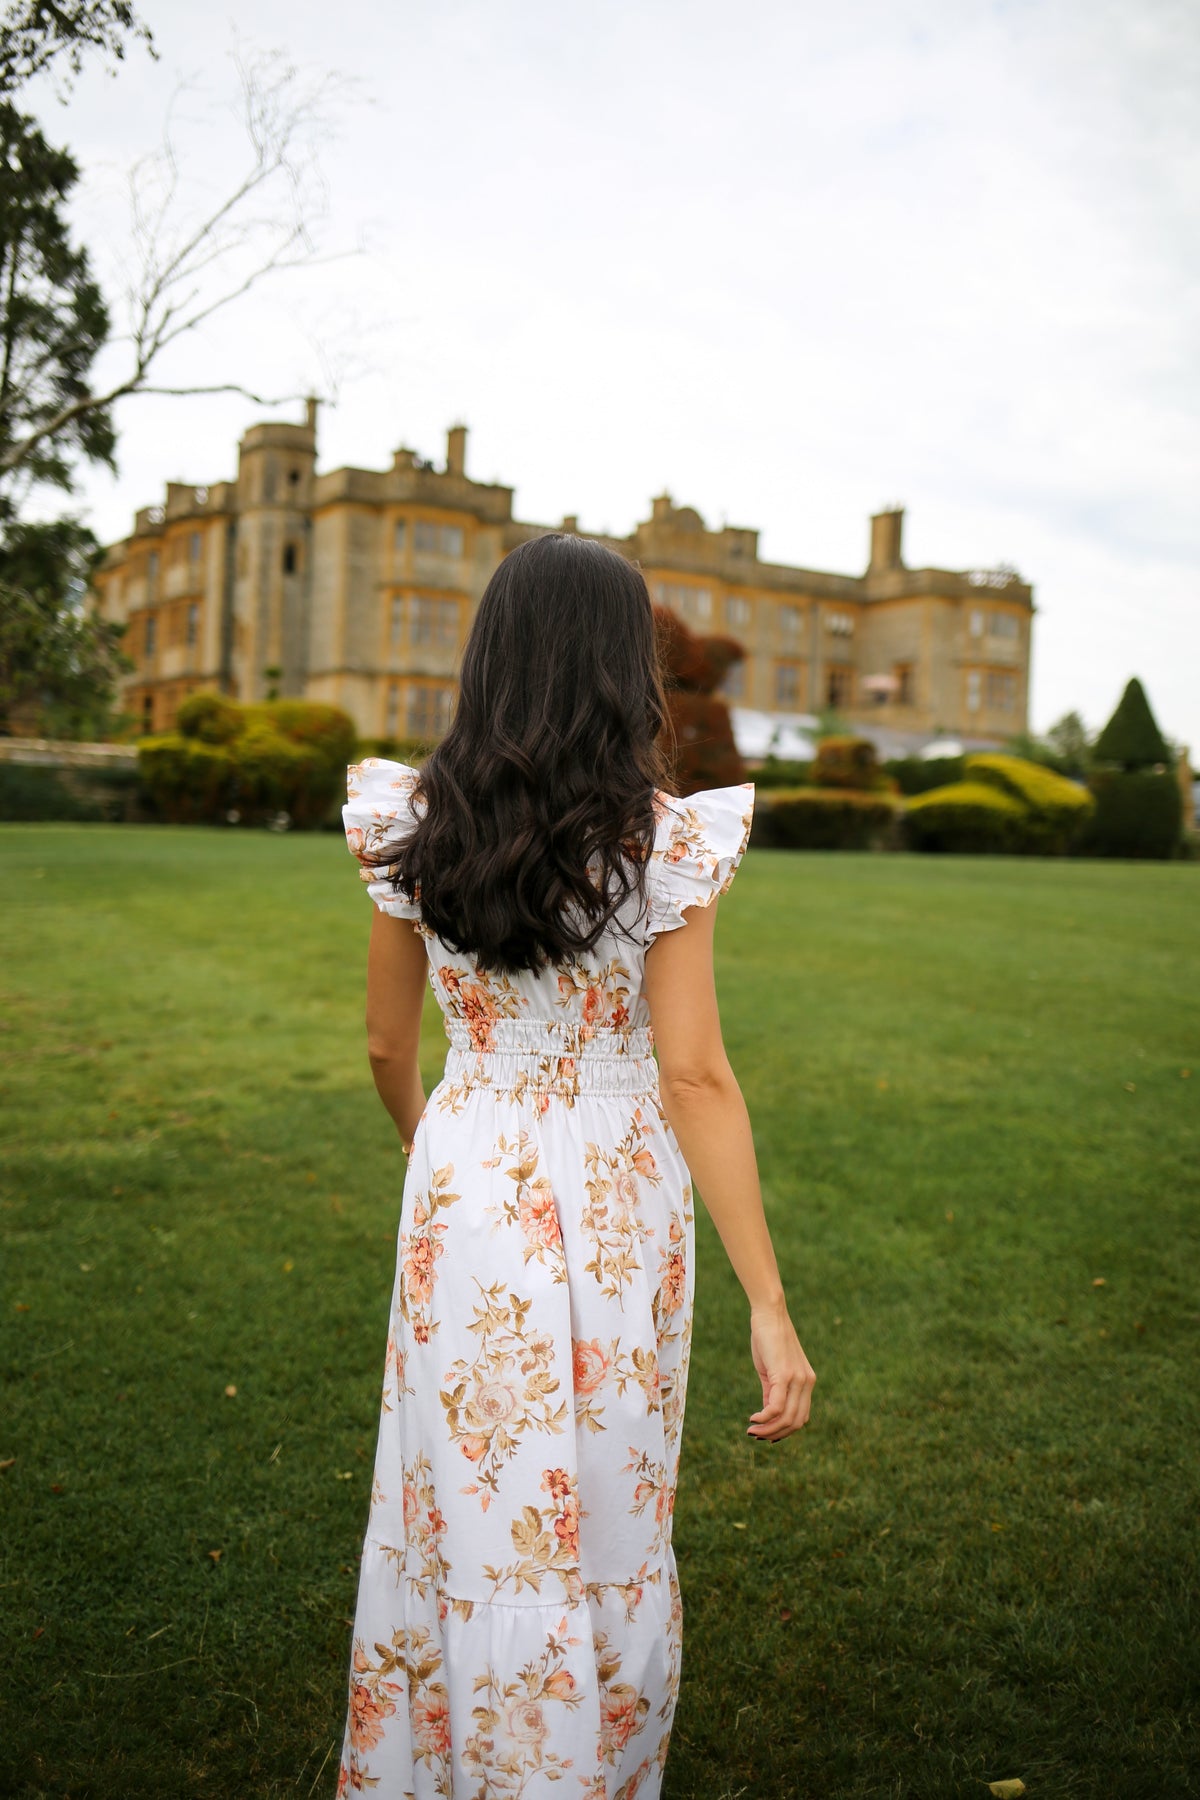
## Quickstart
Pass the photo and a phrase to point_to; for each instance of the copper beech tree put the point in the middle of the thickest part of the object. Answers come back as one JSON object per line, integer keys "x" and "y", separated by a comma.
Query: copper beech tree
{"x": 693, "y": 669}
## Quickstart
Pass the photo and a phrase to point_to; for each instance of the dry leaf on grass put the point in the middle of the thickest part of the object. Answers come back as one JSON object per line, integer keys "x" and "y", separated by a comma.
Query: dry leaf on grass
{"x": 1006, "y": 1790}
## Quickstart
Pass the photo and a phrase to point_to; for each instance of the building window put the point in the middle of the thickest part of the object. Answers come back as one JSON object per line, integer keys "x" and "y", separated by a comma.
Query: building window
{"x": 838, "y": 682}
{"x": 840, "y": 624}
{"x": 690, "y": 602}
{"x": 397, "y": 622}
{"x": 787, "y": 684}
{"x": 976, "y": 622}
{"x": 399, "y": 536}
{"x": 737, "y": 610}
{"x": 791, "y": 620}
{"x": 973, "y": 685}
{"x": 1003, "y": 625}
{"x": 289, "y": 559}
{"x": 1001, "y": 691}
{"x": 429, "y": 711}
{"x": 152, "y": 567}
{"x": 147, "y": 712}
{"x": 393, "y": 711}
{"x": 194, "y": 547}
{"x": 434, "y": 621}
{"x": 293, "y": 477}
{"x": 193, "y": 624}
{"x": 437, "y": 540}
{"x": 151, "y": 634}
{"x": 904, "y": 684}
{"x": 733, "y": 684}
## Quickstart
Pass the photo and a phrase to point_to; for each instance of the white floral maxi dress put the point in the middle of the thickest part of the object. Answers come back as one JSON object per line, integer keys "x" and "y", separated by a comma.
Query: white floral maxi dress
{"x": 518, "y": 1618}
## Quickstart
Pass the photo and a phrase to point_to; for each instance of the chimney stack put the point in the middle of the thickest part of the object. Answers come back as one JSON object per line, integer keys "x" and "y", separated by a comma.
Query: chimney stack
{"x": 886, "y": 531}
{"x": 310, "y": 414}
{"x": 456, "y": 450}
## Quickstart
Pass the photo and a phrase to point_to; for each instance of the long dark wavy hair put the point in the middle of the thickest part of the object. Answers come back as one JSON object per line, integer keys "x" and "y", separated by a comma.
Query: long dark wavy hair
{"x": 538, "y": 815}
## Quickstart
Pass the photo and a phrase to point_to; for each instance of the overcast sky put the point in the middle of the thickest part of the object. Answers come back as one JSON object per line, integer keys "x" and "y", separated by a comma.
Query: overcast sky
{"x": 791, "y": 262}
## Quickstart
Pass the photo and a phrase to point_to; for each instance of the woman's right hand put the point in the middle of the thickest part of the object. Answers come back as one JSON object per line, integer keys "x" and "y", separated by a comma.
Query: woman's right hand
{"x": 786, "y": 1374}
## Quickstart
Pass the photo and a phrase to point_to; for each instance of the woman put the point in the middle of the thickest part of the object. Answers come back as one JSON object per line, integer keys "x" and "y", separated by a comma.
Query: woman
{"x": 518, "y": 1622}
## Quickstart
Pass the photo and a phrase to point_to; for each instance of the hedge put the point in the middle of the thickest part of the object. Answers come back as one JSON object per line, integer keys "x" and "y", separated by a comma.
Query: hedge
{"x": 1055, "y": 809}
{"x": 917, "y": 775}
{"x": 32, "y": 791}
{"x": 1138, "y": 814}
{"x": 966, "y": 816}
{"x": 848, "y": 763}
{"x": 823, "y": 819}
{"x": 775, "y": 772}
{"x": 248, "y": 764}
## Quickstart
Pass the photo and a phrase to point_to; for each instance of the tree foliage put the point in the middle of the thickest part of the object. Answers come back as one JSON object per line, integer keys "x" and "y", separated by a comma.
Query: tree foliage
{"x": 1131, "y": 739}
{"x": 693, "y": 667}
{"x": 39, "y": 35}
{"x": 59, "y": 664}
{"x": 53, "y": 319}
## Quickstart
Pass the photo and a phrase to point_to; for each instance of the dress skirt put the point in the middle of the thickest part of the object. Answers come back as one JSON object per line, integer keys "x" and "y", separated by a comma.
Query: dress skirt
{"x": 517, "y": 1631}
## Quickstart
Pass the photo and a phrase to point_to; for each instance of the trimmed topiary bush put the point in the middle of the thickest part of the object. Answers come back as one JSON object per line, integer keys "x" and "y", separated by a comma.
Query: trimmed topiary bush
{"x": 327, "y": 729}
{"x": 1055, "y": 809}
{"x": 916, "y": 775}
{"x": 406, "y": 750}
{"x": 186, "y": 780}
{"x": 776, "y": 773}
{"x": 1131, "y": 739}
{"x": 213, "y": 718}
{"x": 252, "y": 762}
{"x": 965, "y": 817}
{"x": 823, "y": 819}
{"x": 1139, "y": 806}
{"x": 848, "y": 763}
{"x": 700, "y": 733}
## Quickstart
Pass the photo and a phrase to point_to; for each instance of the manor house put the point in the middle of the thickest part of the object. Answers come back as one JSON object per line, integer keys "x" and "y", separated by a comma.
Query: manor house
{"x": 358, "y": 586}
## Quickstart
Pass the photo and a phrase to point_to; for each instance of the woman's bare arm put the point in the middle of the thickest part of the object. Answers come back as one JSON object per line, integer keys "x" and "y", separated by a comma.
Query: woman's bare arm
{"x": 708, "y": 1115}
{"x": 396, "y": 978}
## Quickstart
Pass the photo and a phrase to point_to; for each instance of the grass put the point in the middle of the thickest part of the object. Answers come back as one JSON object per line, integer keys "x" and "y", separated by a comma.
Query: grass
{"x": 979, "y": 1151}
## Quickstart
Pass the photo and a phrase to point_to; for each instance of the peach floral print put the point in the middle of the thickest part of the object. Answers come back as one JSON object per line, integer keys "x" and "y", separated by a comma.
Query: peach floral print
{"x": 531, "y": 1210}
{"x": 420, "y": 1248}
{"x": 507, "y": 1388}
{"x": 515, "y": 1720}
{"x": 481, "y": 1000}
{"x": 612, "y": 1217}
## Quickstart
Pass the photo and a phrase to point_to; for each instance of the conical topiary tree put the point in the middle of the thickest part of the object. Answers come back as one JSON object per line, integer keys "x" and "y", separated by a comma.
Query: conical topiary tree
{"x": 1139, "y": 808}
{"x": 1131, "y": 739}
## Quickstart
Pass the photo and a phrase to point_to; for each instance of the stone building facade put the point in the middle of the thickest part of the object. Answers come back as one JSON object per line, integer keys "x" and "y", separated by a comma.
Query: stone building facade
{"x": 358, "y": 586}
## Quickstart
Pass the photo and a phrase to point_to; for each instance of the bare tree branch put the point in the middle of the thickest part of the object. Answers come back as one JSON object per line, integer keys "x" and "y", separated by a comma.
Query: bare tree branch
{"x": 187, "y": 267}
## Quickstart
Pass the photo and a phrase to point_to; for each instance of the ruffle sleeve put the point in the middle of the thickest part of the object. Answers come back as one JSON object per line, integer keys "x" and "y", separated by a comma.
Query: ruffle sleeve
{"x": 698, "y": 843}
{"x": 378, "y": 816}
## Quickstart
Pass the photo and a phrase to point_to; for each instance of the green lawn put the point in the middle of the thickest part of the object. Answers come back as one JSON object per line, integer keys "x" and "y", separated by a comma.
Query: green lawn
{"x": 978, "y": 1141}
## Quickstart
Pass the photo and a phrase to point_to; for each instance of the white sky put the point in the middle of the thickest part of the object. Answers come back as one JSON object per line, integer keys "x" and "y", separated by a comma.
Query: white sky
{"x": 791, "y": 261}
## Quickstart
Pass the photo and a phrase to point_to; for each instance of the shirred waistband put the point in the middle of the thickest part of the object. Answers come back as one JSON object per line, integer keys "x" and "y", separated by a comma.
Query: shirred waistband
{"x": 551, "y": 1056}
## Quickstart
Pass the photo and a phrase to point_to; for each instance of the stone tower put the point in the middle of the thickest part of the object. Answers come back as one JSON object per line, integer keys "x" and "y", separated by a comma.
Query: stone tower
{"x": 268, "y": 626}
